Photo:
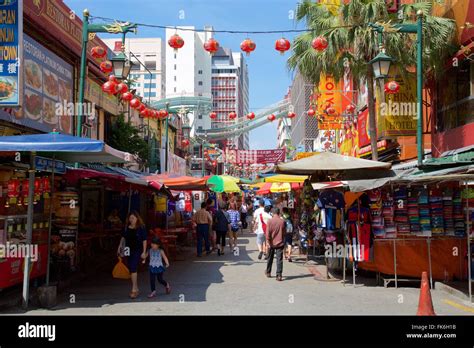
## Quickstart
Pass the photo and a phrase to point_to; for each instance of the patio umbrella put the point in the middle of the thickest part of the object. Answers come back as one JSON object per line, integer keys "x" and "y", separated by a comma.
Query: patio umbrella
{"x": 329, "y": 161}
{"x": 223, "y": 183}
{"x": 286, "y": 178}
{"x": 275, "y": 187}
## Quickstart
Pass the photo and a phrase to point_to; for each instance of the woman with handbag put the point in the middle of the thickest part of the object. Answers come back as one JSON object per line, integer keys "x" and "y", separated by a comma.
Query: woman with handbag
{"x": 133, "y": 245}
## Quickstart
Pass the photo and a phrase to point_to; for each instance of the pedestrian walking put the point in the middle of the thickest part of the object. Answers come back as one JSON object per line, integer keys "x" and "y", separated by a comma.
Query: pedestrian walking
{"x": 157, "y": 266}
{"x": 133, "y": 245}
{"x": 222, "y": 227}
{"x": 289, "y": 235}
{"x": 243, "y": 214}
{"x": 203, "y": 222}
{"x": 234, "y": 225}
{"x": 211, "y": 208}
{"x": 276, "y": 242}
{"x": 259, "y": 224}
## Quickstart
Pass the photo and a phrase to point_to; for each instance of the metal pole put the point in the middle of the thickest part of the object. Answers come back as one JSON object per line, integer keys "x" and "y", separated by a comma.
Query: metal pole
{"x": 166, "y": 136}
{"x": 428, "y": 241}
{"x": 29, "y": 231}
{"x": 203, "y": 162}
{"x": 395, "y": 261}
{"x": 469, "y": 253}
{"x": 50, "y": 222}
{"x": 82, "y": 78}
{"x": 419, "y": 85}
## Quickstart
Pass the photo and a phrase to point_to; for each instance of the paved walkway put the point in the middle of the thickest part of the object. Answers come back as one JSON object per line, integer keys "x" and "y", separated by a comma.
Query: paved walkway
{"x": 237, "y": 285}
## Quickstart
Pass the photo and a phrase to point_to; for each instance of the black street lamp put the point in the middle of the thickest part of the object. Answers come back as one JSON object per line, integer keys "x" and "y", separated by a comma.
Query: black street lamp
{"x": 381, "y": 64}
{"x": 121, "y": 66}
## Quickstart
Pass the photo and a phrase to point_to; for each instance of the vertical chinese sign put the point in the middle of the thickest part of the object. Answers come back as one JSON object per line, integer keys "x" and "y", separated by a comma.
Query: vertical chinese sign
{"x": 11, "y": 29}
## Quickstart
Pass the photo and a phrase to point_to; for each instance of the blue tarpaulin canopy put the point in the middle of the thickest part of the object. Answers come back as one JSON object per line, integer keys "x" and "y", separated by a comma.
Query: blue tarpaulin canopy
{"x": 65, "y": 147}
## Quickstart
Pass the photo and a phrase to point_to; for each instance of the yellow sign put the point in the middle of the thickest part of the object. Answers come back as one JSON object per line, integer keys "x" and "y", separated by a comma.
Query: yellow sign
{"x": 397, "y": 115}
{"x": 301, "y": 155}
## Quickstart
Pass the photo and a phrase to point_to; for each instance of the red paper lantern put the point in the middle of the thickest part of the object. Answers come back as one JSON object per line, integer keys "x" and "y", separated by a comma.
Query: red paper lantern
{"x": 145, "y": 112}
{"x": 271, "y": 118}
{"x": 176, "y": 42}
{"x": 319, "y": 43}
{"x": 213, "y": 115}
{"x": 135, "y": 103}
{"x": 232, "y": 115}
{"x": 311, "y": 112}
{"x": 282, "y": 45}
{"x": 330, "y": 110}
{"x": 350, "y": 108}
{"x": 98, "y": 52}
{"x": 25, "y": 187}
{"x": 122, "y": 88}
{"x": 214, "y": 164}
{"x": 211, "y": 46}
{"x": 13, "y": 189}
{"x": 109, "y": 87}
{"x": 291, "y": 115}
{"x": 248, "y": 46}
{"x": 106, "y": 66}
{"x": 164, "y": 113}
{"x": 46, "y": 185}
{"x": 127, "y": 96}
{"x": 141, "y": 108}
{"x": 185, "y": 142}
{"x": 251, "y": 116}
{"x": 392, "y": 87}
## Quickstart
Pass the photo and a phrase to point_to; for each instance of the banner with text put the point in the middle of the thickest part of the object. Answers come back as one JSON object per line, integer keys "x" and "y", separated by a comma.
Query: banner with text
{"x": 255, "y": 156}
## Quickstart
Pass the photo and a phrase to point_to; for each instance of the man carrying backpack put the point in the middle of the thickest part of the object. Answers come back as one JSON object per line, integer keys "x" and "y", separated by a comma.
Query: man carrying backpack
{"x": 222, "y": 225}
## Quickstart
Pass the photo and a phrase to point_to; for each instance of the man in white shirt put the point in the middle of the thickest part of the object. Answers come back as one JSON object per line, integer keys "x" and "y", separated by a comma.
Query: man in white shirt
{"x": 259, "y": 223}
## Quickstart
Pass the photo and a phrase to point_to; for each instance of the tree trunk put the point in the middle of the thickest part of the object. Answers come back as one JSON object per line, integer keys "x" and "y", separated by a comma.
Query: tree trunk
{"x": 372, "y": 114}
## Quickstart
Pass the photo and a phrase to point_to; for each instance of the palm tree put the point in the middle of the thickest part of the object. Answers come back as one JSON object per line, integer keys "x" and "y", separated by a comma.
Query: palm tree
{"x": 351, "y": 41}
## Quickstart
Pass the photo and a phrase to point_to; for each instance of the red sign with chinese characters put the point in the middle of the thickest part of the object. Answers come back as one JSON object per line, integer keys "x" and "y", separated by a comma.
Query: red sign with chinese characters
{"x": 255, "y": 156}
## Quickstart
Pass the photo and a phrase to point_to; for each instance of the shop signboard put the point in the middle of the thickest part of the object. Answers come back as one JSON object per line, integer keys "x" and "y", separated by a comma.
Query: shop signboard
{"x": 326, "y": 141}
{"x": 48, "y": 88}
{"x": 397, "y": 114}
{"x": 46, "y": 165}
{"x": 11, "y": 30}
{"x": 363, "y": 128}
{"x": 255, "y": 156}
{"x": 176, "y": 165}
{"x": 94, "y": 94}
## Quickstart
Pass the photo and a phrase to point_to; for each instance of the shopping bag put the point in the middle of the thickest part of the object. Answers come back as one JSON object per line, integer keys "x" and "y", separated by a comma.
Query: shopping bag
{"x": 120, "y": 271}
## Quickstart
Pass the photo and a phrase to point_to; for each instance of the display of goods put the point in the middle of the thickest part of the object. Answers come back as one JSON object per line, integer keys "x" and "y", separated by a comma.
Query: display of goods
{"x": 400, "y": 196}
{"x": 448, "y": 211}
{"x": 388, "y": 215}
{"x": 458, "y": 214}
{"x": 413, "y": 212}
{"x": 436, "y": 211}
{"x": 376, "y": 211}
{"x": 424, "y": 211}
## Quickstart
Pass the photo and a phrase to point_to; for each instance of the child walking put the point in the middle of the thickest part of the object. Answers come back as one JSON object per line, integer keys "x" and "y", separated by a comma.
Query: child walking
{"x": 157, "y": 268}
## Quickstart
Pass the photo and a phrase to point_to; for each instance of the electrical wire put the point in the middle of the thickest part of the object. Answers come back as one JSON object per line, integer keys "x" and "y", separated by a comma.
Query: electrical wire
{"x": 218, "y": 31}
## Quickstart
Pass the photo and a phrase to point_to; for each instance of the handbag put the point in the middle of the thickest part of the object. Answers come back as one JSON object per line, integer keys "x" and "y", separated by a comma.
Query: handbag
{"x": 120, "y": 271}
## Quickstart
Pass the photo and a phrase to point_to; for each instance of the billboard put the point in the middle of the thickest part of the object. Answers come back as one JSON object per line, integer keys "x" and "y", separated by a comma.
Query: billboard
{"x": 11, "y": 30}
{"x": 254, "y": 156}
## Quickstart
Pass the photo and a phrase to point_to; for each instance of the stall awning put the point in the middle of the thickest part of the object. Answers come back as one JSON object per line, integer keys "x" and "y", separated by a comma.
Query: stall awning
{"x": 286, "y": 178}
{"x": 328, "y": 161}
{"x": 223, "y": 183}
{"x": 65, "y": 147}
{"x": 181, "y": 183}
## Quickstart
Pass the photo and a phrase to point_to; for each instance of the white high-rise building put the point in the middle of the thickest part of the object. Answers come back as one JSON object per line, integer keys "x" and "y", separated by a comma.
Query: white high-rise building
{"x": 150, "y": 52}
{"x": 230, "y": 92}
{"x": 188, "y": 70}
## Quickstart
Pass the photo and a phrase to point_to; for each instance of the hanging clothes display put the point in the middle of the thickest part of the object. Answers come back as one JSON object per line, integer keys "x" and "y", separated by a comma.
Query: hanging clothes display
{"x": 331, "y": 204}
{"x": 359, "y": 232}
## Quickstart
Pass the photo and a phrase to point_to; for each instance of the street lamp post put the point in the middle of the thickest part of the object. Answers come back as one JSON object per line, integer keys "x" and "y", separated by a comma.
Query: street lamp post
{"x": 166, "y": 137}
{"x": 119, "y": 62}
{"x": 382, "y": 59}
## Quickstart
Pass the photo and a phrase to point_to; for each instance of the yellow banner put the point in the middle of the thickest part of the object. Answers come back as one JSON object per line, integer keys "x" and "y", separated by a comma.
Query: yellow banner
{"x": 397, "y": 115}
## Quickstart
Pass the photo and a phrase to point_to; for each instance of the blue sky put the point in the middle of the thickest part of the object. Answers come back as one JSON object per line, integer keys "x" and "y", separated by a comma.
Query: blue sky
{"x": 268, "y": 76}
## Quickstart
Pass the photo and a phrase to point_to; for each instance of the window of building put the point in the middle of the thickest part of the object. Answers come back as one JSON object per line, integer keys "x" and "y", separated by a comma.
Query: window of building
{"x": 175, "y": 78}
{"x": 151, "y": 95}
{"x": 200, "y": 72}
{"x": 175, "y": 56}
{"x": 151, "y": 65}
{"x": 200, "y": 128}
{"x": 455, "y": 101}
{"x": 175, "y": 67}
{"x": 199, "y": 117}
{"x": 200, "y": 83}
{"x": 175, "y": 89}
{"x": 135, "y": 66}
{"x": 150, "y": 85}
{"x": 148, "y": 77}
